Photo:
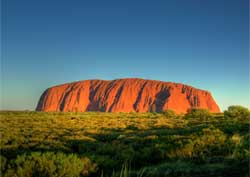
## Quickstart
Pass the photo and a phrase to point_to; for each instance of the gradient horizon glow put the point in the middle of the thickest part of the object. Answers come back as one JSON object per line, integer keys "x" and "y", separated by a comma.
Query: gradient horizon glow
{"x": 49, "y": 42}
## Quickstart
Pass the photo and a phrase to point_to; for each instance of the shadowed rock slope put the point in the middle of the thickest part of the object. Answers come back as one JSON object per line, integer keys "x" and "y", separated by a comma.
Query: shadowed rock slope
{"x": 125, "y": 95}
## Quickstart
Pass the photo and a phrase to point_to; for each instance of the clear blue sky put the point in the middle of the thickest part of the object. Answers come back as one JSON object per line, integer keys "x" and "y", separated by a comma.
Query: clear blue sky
{"x": 203, "y": 43}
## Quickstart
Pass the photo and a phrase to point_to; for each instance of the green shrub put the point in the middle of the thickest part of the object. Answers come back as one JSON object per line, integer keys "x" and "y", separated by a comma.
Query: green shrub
{"x": 3, "y": 162}
{"x": 198, "y": 113}
{"x": 209, "y": 142}
{"x": 181, "y": 149}
{"x": 169, "y": 113}
{"x": 242, "y": 150}
{"x": 237, "y": 112}
{"x": 50, "y": 164}
{"x": 106, "y": 163}
{"x": 88, "y": 166}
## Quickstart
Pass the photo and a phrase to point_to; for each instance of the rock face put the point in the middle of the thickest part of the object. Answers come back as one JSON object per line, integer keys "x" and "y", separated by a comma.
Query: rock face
{"x": 125, "y": 95}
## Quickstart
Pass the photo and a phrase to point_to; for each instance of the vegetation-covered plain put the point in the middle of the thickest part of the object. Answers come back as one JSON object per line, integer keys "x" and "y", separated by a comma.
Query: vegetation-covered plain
{"x": 198, "y": 144}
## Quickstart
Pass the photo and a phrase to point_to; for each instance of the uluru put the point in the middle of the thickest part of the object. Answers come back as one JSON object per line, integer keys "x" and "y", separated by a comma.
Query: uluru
{"x": 125, "y": 95}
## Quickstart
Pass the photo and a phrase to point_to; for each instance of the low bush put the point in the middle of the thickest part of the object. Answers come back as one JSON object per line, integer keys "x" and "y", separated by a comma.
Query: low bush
{"x": 3, "y": 162}
{"x": 169, "y": 113}
{"x": 49, "y": 164}
{"x": 242, "y": 150}
{"x": 198, "y": 113}
{"x": 237, "y": 112}
{"x": 209, "y": 142}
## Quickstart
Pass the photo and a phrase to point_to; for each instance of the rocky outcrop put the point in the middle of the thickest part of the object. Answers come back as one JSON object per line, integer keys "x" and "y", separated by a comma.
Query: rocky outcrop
{"x": 125, "y": 95}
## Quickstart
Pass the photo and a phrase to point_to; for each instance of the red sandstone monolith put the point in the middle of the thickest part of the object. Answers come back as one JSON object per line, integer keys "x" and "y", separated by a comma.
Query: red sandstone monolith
{"x": 125, "y": 95}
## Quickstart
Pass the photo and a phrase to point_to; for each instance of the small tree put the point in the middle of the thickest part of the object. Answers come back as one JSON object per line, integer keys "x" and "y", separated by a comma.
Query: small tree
{"x": 237, "y": 111}
{"x": 198, "y": 113}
